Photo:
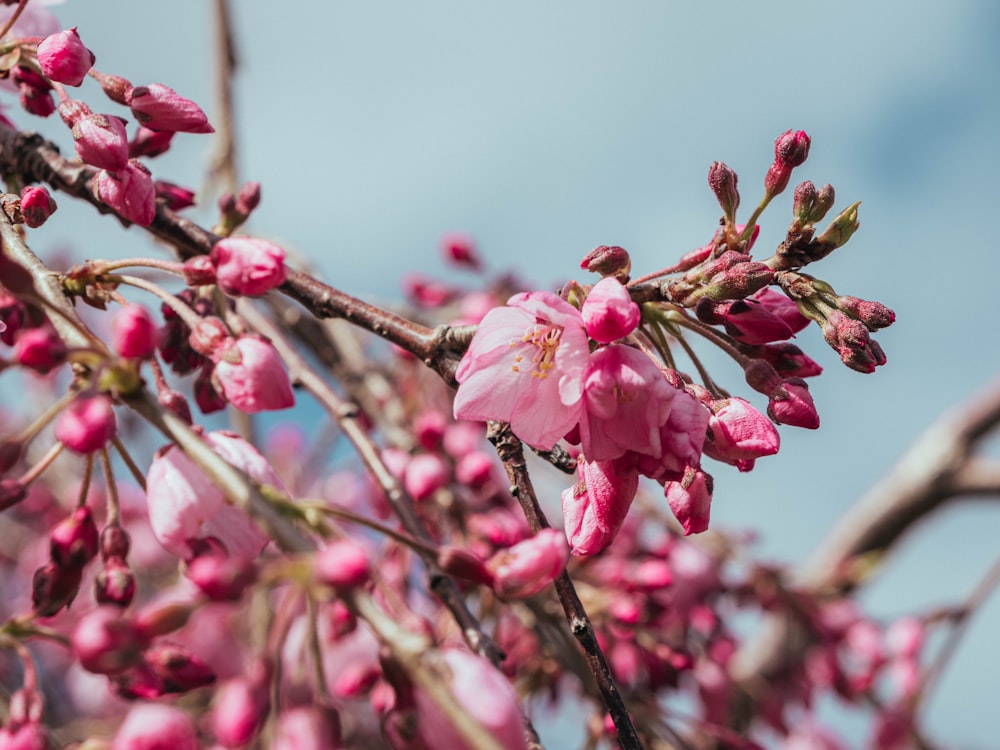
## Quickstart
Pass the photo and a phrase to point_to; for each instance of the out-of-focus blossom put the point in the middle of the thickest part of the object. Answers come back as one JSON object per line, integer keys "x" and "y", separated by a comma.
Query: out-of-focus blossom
{"x": 156, "y": 726}
{"x": 185, "y": 506}
{"x": 133, "y": 332}
{"x": 87, "y": 424}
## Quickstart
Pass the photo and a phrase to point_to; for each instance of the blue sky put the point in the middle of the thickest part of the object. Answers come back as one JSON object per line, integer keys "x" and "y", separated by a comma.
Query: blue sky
{"x": 547, "y": 129}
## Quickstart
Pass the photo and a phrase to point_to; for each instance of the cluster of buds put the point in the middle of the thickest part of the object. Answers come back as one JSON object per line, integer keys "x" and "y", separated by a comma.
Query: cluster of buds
{"x": 72, "y": 544}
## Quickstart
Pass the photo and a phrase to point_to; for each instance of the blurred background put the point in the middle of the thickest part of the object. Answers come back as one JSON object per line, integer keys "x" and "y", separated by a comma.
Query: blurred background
{"x": 545, "y": 129}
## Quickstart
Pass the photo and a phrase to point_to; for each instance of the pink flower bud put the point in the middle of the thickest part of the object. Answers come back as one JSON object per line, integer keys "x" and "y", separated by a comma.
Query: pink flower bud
{"x": 101, "y": 141}
{"x": 241, "y": 707}
{"x": 185, "y": 506}
{"x": 221, "y": 578}
{"x": 343, "y": 565}
{"x": 178, "y": 670}
{"x": 722, "y": 179}
{"x": 248, "y": 265}
{"x": 105, "y": 642}
{"x": 12, "y": 491}
{"x": 73, "y": 542}
{"x": 460, "y": 249}
{"x": 116, "y": 88}
{"x": 156, "y": 726}
{"x": 792, "y": 147}
{"x": 474, "y": 469}
{"x": 115, "y": 584}
{"x": 35, "y": 91}
{"x": 159, "y": 107}
{"x": 429, "y": 428}
{"x": 529, "y": 566}
{"x": 425, "y": 475}
{"x": 738, "y": 432}
{"x": 64, "y": 59}
{"x": 485, "y": 695}
{"x": 54, "y": 587}
{"x": 789, "y": 361}
{"x": 691, "y": 500}
{"x": 792, "y": 404}
{"x": 39, "y": 349}
{"x": 608, "y": 261}
{"x": 36, "y": 206}
{"x": 595, "y": 509}
{"x": 464, "y": 564}
{"x": 130, "y": 192}
{"x": 87, "y": 424}
{"x": 306, "y": 728}
{"x": 175, "y": 197}
{"x": 149, "y": 143}
{"x": 253, "y": 377}
{"x": 199, "y": 271}
{"x": 609, "y": 312}
{"x": 133, "y": 332}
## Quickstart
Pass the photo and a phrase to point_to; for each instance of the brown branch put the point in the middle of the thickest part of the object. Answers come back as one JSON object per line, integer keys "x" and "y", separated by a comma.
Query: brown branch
{"x": 345, "y": 414}
{"x": 931, "y": 472}
{"x": 511, "y": 453}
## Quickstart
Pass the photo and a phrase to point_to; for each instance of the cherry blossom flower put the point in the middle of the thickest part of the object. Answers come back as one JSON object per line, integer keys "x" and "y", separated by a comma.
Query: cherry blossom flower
{"x": 530, "y": 565}
{"x": 627, "y": 400}
{"x": 252, "y": 376}
{"x": 248, "y": 265}
{"x": 155, "y": 726}
{"x": 185, "y": 506}
{"x": 87, "y": 424}
{"x": 526, "y": 366}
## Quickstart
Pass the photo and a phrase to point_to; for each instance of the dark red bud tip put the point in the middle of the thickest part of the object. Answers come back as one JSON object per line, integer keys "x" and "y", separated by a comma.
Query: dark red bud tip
{"x": 11, "y": 492}
{"x": 722, "y": 179}
{"x": 463, "y": 564}
{"x": 608, "y": 260}
{"x": 791, "y": 148}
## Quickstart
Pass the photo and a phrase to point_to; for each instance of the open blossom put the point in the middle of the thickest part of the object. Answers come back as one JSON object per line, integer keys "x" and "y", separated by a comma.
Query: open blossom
{"x": 526, "y": 366}
{"x": 185, "y": 506}
{"x": 248, "y": 265}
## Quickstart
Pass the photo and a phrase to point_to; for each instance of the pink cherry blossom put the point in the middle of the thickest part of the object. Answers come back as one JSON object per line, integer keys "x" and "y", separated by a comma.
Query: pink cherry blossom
{"x": 248, "y": 265}
{"x": 185, "y": 506}
{"x": 609, "y": 312}
{"x": 627, "y": 400}
{"x": 682, "y": 437}
{"x": 253, "y": 377}
{"x": 595, "y": 508}
{"x": 64, "y": 58}
{"x": 526, "y": 366}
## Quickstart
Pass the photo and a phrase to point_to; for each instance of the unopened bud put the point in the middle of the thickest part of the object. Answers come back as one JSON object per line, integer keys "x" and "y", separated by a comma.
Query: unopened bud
{"x": 608, "y": 260}
{"x": 792, "y": 404}
{"x": 722, "y": 179}
{"x": 873, "y": 314}
{"x": 824, "y": 202}
{"x": 343, "y": 565}
{"x": 54, "y": 587}
{"x": 175, "y": 402}
{"x": 104, "y": 642}
{"x": 166, "y": 619}
{"x": 803, "y": 201}
{"x": 761, "y": 376}
{"x": 12, "y": 491}
{"x": 177, "y": 668}
{"x": 87, "y": 424}
{"x": 248, "y": 198}
{"x": 221, "y": 578}
{"x": 149, "y": 143}
{"x": 73, "y": 542}
{"x": 115, "y": 584}
{"x": 117, "y": 89}
{"x": 776, "y": 179}
{"x": 841, "y": 228}
{"x": 740, "y": 281}
{"x": 791, "y": 147}
{"x": 174, "y": 197}
{"x": 464, "y": 564}
{"x": 36, "y": 206}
